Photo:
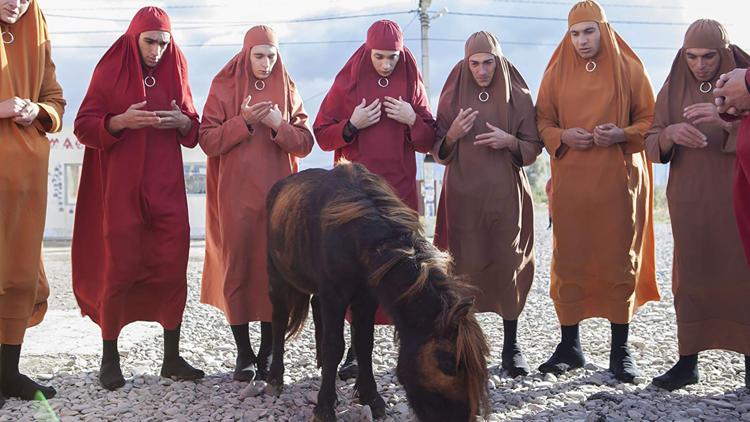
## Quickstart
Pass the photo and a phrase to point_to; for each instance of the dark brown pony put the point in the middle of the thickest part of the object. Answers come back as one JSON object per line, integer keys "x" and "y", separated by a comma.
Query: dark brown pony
{"x": 343, "y": 236}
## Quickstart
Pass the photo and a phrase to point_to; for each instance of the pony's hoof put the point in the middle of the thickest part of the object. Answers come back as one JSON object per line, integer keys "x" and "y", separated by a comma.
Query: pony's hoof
{"x": 274, "y": 389}
{"x": 377, "y": 406}
{"x": 324, "y": 414}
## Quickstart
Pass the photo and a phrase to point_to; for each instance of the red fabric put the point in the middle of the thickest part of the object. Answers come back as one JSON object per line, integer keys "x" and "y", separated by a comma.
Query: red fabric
{"x": 386, "y": 148}
{"x": 131, "y": 234}
{"x": 742, "y": 184}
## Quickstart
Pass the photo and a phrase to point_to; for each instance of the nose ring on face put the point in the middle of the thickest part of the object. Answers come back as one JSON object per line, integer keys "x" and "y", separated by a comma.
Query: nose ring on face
{"x": 590, "y": 66}
{"x": 383, "y": 82}
{"x": 706, "y": 87}
{"x": 260, "y": 85}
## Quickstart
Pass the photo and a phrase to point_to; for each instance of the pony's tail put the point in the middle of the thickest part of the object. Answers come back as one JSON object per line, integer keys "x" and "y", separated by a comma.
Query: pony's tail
{"x": 471, "y": 354}
{"x": 299, "y": 307}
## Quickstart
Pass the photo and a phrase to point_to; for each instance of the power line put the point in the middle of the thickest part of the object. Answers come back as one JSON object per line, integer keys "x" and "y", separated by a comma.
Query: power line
{"x": 168, "y": 7}
{"x": 204, "y": 24}
{"x": 544, "y": 18}
{"x": 323, "y": 42}
{"x": 619, "y": 5}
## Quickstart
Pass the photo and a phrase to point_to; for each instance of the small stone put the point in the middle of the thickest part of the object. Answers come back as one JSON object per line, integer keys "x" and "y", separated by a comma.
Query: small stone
{"x": 694, "y": 411}
{"x": 365, "y": 414}
{"x": 576, "y": 395}
{"x": 595, "y": 417}
{"x": 312, "y": 397}
{"x": 719, "y": 403}
{"x": 746, "y": 416}
{"x": 402, "y": 408}
{"x": 253, "y": 389}
{"x": 635, "y": 415}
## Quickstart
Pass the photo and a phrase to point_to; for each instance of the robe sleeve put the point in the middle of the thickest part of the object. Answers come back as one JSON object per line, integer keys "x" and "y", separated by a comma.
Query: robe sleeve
{"x": 50, "y": 96}
{"x": 190, "y": 140}
{"x": 90, "y": 126}
{"x": 219, "y": 134}
{"x": 730, "y": 144}
{"x": 548, "y": 120}
{"x": 655, "y": 137}
{"x": 422, "y": 133}
{"x": 329, "y": 131}
{"x": 294, "y": 137}
{"x": 641, "y": 111}
{"x": 529, "y": 144}
{"x": 446, "y": 158}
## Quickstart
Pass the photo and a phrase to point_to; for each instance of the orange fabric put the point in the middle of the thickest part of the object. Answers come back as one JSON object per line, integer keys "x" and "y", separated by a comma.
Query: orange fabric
{"x": 242, "y": 167}
{"x": 603, "y": 258}
{"x": 27, "y": 72}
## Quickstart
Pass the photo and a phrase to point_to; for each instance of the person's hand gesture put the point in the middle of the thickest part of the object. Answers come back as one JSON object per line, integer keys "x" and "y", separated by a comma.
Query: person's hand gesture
{"x": 133, "y": 118}
{"x": 172, "y": 119}
{"x": 461, "y": 125}
{"x": 399, "y": 110}
{"x": 578, "y": 139}
{"x": 496, "y": 138}
{"x": 608, "y": 134}
{"x": 254, "y": 114}
{"x": 686, "y": 135}
{"x": 273, "y": 118}
{"x": 365, "y": 115}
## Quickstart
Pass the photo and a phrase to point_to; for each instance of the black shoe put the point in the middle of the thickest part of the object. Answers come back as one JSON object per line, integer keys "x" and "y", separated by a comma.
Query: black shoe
{"x": 565, "y": 358}
{"x": 110, "y": 375}
{"x": 24, "y": 388}
{"x": 622, "y": 365}
{"x": 514, "y": 363}
{"x": 349, "y": 369}
{"x": 177, "y": 368}
{"x": 674, "y": 380}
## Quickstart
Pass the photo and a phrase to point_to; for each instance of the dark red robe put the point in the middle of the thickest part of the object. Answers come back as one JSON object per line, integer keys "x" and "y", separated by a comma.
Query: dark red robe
{"x": 388, "y": 147}
{"x": 131, "y": 236}
{"x": 742, "y": 180}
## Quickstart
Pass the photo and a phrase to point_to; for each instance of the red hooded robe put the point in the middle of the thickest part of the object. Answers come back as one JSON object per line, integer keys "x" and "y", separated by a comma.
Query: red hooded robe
{"x": 131, "y": 235}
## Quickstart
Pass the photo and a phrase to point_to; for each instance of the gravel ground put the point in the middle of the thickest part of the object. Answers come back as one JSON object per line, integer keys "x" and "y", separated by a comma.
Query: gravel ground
{"x": 590, "y": 394}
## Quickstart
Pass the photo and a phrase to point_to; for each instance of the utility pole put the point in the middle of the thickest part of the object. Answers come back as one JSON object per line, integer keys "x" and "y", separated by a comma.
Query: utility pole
{"x": 424, "y": 19}
{"x": 429, "y": 197}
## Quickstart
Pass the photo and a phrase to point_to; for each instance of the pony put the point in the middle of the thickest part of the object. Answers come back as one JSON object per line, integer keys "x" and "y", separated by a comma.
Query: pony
{"x": 344, "y": 237}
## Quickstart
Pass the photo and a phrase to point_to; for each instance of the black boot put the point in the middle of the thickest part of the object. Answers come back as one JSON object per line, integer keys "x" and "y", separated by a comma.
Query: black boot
{"x": 513, "y": 360}
{"x": 245, "y": 368}
{"x": 684, "y": 372}
{"x": 174, "y": 366}
{"x": 621, "y": 362}
{"x": 568, "y": 354}
{"x": 747, "y": 372}
{"x": 264, "y": 353}
{"x": 110, "y": 373}
{"x": 349, "y": 369}
{"x": 15, "y": 384}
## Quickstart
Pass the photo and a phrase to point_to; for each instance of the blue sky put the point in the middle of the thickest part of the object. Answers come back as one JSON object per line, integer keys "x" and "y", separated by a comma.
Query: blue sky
{"x": 211, "y": 32}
